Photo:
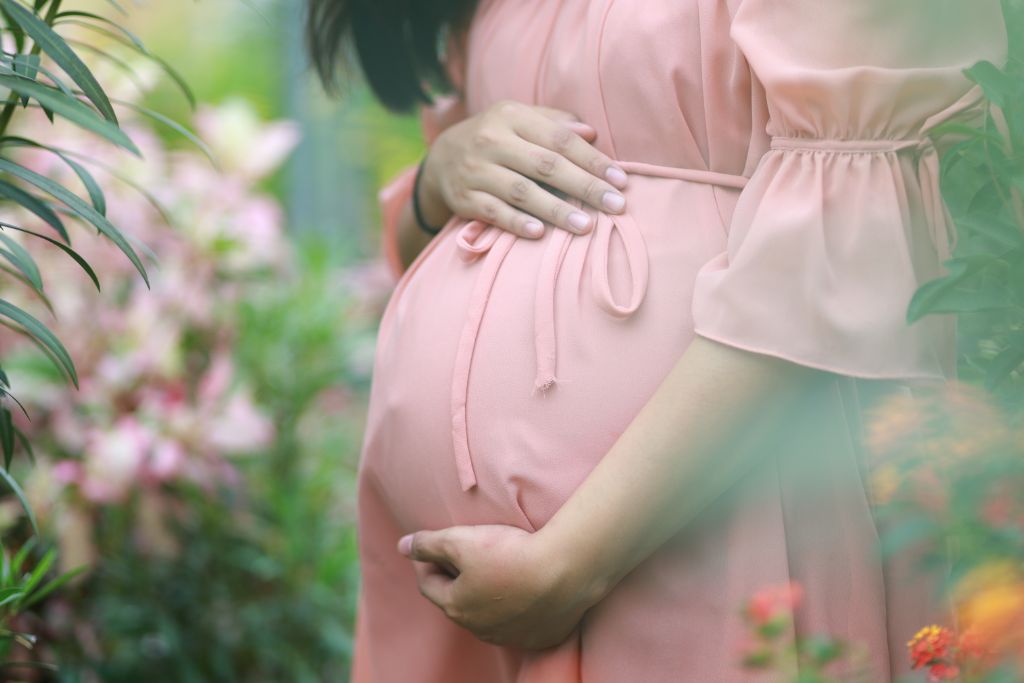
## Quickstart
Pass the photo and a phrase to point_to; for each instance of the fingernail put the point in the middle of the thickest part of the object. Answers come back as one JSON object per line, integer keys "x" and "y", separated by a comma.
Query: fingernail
{"x": 405, "y": 545}
{"x": 613, "y": 201}
{"x": 616, "y": 176}
{"x": 534, "y": 228}
{"x": 579, "y": 220}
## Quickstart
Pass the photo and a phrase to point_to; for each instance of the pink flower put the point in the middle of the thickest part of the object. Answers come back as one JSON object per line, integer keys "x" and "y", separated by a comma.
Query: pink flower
{"x": 239, "y": 428}
{"x": 241, "y": 142}
{"x": 166, "y": 461}
{"x": 67, "y": 472}
{"x": 113, "y": 460}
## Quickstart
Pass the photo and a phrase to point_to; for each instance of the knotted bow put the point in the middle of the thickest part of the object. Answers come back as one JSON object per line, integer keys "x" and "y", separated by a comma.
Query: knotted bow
{"x": 476, "y": 239}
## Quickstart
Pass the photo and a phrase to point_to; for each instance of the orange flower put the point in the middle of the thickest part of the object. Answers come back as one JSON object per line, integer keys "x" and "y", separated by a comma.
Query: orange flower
{"x": 996, "y": 617}
{"x": 990, "y": 608}
{"x": 932, "y": 647}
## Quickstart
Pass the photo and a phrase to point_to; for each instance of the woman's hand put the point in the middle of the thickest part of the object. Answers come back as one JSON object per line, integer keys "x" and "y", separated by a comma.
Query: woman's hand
{"x": 502, "y": 583}
{"x": 500, "y": 166}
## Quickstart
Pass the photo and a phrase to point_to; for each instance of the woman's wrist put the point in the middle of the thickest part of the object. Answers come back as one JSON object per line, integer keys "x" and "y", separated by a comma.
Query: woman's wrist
{"x": 430, "y": 209}
{"x": 575, "y": 566}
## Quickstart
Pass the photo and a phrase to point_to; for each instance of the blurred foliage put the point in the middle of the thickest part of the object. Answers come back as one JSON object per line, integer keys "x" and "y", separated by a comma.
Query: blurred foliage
{"x": 983, "y": 182}
{"x": 41, "y": 69}
{"x": 265, "y": 587}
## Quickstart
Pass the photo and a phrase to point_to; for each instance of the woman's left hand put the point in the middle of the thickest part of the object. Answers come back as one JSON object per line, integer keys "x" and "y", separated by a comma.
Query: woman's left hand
{"x": 502, "y": 583}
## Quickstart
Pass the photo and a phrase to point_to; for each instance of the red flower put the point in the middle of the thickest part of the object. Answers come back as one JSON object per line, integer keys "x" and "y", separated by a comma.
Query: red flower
{"x": 932, "y": 647}
{"x": 773, "y": 602}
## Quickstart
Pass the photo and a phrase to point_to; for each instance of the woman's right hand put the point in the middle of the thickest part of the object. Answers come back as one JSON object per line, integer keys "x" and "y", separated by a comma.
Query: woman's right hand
{"x": 505, "y": 166}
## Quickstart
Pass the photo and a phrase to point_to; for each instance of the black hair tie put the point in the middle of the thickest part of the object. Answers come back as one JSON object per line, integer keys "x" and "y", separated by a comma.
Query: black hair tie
{"x": 417, "y": 211}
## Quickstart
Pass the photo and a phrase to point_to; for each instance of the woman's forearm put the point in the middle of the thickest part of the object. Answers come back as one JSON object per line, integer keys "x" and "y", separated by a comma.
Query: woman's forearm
{"x": 411, "y": 240}
{"x": 670, "y": 462}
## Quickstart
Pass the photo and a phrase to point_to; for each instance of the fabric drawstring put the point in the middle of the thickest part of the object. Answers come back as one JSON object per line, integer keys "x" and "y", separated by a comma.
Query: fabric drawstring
{"x": 476, "y": 239}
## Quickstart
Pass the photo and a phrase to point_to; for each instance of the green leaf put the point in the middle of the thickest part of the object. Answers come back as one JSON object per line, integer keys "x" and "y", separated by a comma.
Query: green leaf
{"x": 6, "y": 437}
{"x": 96, "y": 196}
{"x": 83, "y": 209}
{"x": 22, "y": 260}
{"x": 71, "y": 17}
{"x": 973, "y": 134}
{"x": 34, "y": 205}
{"x": 6, "y": 476}
{"x": 19, "y": 35}
{"x": 53, "y": 585}
{"x": 995, "y": 84}
{"x": 157, "y": 116}
{"x": 66, "y": 249}
{"x": 7, "y": 393}
{"x": 23, "y": 440}
{"x": 26, "y": 66}
{"x": 929, "y": 297}
{"x": 42, "y": 334}
{"x": 58, "y": 82}
{"x": 1006, "y": 362}
{"x": 58, "y": 50}
{"x": 70, "y": 108}
{"x": 19, "y": 558}
{"x": 822, "y": 650}
{"x": 39, "y": 573}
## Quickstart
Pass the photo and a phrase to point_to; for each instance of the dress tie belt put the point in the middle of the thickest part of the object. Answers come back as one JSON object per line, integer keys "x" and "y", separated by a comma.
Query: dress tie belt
{"x": 476, "y": 239}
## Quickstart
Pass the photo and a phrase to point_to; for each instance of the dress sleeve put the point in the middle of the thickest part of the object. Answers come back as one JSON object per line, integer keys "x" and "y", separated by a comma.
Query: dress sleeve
{"x": 397, "y": 193}
{"x": 843, "y": 219}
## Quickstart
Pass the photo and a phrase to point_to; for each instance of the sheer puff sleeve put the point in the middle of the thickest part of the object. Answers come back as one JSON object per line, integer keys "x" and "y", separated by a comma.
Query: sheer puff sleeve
{"x": 843, "y": 219}
{"x": 397, "y": 193}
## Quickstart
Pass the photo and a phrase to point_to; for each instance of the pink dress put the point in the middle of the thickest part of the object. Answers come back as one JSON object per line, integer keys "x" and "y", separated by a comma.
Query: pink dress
{"x": 783, "y": 198}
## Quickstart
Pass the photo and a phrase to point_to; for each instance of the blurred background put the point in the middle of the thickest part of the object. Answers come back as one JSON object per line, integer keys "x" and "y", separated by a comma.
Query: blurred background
{"x": 203, "y": 472}
{"x": 192, "y": 501}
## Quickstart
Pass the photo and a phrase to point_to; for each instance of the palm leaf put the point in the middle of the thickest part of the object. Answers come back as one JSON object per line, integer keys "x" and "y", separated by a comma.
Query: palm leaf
{"x": 70, "y": 108}
{"x": 96, "y": 195}
{"x": 66, "y": 249}
{"x": 22, "y": 260}
{"x": 6, "y": 476}
{"x": 42, "y": 334}
{"x": 185, "y": 132}
{"x": 58, "y": 50}
{"x": 34, "y": 205}
{"x": 79, "y": 206}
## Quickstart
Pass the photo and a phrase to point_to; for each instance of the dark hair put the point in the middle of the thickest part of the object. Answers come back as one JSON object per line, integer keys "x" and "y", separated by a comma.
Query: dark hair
{"x": 397, "y": 42}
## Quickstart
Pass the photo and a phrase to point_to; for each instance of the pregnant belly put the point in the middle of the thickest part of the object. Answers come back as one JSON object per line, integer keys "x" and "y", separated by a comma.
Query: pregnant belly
{"x": 492, "y": 402}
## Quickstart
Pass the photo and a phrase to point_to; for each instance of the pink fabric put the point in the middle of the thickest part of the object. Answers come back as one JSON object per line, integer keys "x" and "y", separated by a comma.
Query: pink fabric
{"x": 783, "y": 197}
{"x": 392, "y": 198}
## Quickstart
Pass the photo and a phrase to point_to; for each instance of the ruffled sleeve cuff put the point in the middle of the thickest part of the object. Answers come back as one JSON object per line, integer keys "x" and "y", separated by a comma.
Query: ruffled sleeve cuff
{"x": 828, "y": 242}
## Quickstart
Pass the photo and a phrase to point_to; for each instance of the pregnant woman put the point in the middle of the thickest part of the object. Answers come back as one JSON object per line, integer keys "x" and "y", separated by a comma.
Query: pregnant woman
{"x": 622, "y": 388}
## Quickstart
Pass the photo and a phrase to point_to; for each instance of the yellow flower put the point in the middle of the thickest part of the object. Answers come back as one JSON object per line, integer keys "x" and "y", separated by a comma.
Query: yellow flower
{"x": 990, "y": 604}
